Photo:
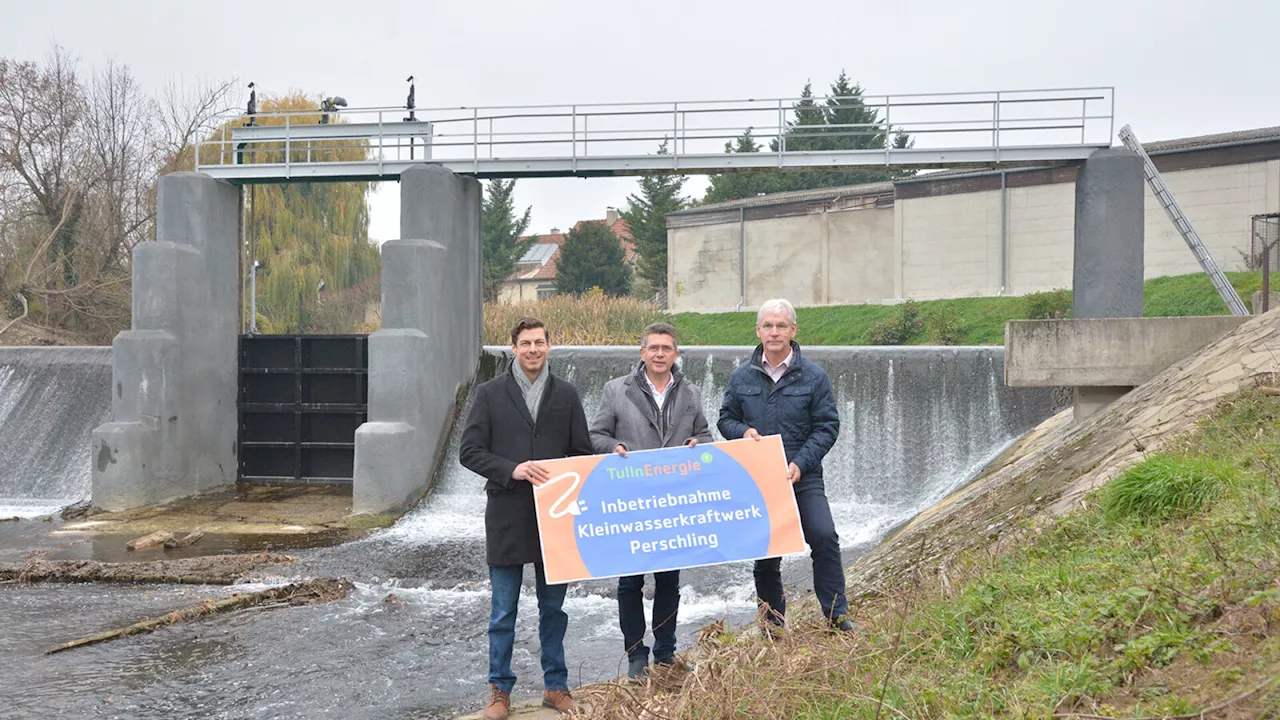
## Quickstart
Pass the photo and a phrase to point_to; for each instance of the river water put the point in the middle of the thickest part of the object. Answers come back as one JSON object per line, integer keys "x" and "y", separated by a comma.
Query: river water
{"x": 916, "y": 423}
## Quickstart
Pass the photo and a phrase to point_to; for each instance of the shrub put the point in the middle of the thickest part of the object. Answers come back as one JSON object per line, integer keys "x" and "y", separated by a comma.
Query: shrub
{"x": 943, "y": 326}
{"x": 590, "y": 319}
{"x": 1047, "y": 305}
{"x": 1163, "y": 488}
{"x": 897, "y": 329}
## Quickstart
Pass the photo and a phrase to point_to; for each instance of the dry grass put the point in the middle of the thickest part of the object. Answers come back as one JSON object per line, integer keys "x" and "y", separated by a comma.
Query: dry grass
{"x": 743, "y": 675}
{"x": 591, "y": 319}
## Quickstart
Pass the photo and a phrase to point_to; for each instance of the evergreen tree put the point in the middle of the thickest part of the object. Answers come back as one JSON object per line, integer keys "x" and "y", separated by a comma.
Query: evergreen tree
{"x": 845, "y": 107}
{"x": 502, "y": 231}
{"x": 646, "y": 214}
{"x": 811, "y": 130}
{"x": 805, "y": 132}
{"x": 592, "y": 256}
{"x": 734, "y": 185}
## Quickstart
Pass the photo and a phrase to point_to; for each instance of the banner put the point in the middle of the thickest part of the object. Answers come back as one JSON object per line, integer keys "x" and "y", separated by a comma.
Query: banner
{"x": 605, "y": 515}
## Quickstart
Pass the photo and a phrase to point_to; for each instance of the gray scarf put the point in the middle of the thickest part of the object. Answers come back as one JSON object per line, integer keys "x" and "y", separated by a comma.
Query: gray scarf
{"x": 533, "y": 391}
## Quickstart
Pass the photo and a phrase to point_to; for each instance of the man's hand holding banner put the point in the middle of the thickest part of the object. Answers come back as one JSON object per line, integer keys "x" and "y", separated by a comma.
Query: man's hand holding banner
{"x": 654, "y": 510}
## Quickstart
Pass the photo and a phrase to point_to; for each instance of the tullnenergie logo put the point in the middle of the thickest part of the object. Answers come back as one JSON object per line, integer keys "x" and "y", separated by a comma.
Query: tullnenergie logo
{"x": 669, "y": 509}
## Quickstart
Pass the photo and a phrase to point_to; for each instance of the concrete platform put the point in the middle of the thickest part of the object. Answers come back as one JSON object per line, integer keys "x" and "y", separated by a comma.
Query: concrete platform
{"x": 1104, "y": 352}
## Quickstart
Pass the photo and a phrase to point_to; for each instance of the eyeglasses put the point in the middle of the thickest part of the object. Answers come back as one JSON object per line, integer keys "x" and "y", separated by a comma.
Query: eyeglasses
{"x": 780, "y": 327}
{"x": 660, "y": 348}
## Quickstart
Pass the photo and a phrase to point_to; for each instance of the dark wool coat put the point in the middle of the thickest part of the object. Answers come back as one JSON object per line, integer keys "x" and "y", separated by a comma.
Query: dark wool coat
{"x": 499, "y": 435}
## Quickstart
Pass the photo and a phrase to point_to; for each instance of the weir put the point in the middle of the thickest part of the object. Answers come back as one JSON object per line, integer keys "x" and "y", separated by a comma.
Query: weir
{"x": 50, "y": 399}
{"x": 916, "y": 423}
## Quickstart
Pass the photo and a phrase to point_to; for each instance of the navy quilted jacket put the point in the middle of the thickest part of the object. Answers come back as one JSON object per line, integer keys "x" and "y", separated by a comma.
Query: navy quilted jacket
{"x": 800, "y": 407}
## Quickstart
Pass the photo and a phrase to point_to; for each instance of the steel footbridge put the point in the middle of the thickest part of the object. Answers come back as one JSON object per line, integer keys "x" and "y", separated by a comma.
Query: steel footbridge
{"x": 1009, "y": 128}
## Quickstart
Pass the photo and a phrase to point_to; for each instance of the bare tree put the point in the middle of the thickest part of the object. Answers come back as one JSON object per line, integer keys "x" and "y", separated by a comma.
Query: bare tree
{"x": 124, "y": 152}
{"x": 41, "y": 108}
{"x": 187, "y": 112}
{"x": 77, "y": 165}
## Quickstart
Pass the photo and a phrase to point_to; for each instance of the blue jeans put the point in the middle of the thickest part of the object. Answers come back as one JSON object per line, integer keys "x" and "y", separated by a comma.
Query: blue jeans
{"x": 666, "y": 602}
{"x": 552, "y": 622}
{"x": 828, "y": 568}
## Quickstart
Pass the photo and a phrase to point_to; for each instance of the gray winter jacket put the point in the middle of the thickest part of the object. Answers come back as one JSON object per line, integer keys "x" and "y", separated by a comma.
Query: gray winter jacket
{"x": 628, "y": 415}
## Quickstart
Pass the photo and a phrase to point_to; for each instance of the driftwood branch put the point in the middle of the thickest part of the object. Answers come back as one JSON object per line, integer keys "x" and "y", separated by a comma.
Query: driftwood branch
{"x": 321, "y": 590}
{"x": 207, "y": 570}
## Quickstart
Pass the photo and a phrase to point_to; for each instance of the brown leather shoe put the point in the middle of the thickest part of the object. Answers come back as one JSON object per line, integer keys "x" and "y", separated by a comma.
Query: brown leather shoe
{"x": 559, "y": 700}
{"x": 499, "y": 706}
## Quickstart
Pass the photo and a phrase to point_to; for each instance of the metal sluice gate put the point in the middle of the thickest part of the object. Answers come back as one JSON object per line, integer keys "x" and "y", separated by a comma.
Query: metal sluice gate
{"x": 301, "y": 399}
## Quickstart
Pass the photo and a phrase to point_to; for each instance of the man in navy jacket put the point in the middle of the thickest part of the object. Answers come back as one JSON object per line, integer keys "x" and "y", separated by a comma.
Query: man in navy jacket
{"x": 780, "y": 393}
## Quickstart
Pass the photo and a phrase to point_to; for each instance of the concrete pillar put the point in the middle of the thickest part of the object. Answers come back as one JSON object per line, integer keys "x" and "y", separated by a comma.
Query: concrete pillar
{"x": 427, "y": 349}
{"x": 1107, "y": 275}
{"x": 1108, "y": 266}
{"x": 173, "y": 412}
{"x": 1088, "y": 401}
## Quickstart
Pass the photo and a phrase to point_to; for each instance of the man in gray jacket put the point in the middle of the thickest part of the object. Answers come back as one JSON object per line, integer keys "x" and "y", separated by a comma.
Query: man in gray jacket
{"x": 652, "y": 407}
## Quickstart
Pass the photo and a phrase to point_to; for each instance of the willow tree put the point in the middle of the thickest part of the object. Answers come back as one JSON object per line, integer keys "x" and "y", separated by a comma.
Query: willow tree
{"x": 319, "y": 269}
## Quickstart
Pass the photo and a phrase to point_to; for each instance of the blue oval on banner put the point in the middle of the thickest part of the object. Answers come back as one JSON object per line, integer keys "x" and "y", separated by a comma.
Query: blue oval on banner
{"x": 669, "y": 509}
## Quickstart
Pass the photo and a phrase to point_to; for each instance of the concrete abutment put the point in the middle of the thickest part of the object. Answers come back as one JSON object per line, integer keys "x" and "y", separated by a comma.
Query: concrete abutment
{"x": 173, "y": 428}
{"x": 429, "y": 343}
{"x": 173, "y": 404}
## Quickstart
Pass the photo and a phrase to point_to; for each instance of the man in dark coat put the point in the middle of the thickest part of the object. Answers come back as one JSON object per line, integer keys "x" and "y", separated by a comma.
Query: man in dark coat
{"x": 651, "y": 407}
{"x": 780, "y": 393}
{"x": 518, "y": 418}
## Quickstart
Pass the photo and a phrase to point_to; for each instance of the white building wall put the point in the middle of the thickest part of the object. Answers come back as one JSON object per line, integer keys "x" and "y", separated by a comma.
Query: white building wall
{"x": 786, "y": 258}
{"x": 949, "y": 245}
{"x": 860, "y": 256}
{"x": 948, "y": 249}
{"x": 702, "y": 267}
{"x": 1219, "y": 202}
{"x": 1041, "y": 235}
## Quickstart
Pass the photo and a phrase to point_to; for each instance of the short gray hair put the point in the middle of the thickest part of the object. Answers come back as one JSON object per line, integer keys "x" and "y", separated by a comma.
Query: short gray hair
{"x": 777, "y": 305}
{"x": 659, "y": 328}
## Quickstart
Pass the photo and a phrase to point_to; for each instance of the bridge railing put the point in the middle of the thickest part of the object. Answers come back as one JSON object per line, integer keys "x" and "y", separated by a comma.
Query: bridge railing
{"x": 866, "y": 126}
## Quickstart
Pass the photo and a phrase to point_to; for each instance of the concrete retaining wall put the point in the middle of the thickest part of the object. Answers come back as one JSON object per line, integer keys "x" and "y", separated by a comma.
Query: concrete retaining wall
{"x": 173, "y": 401}
{"x": 949, "y": 245}
{"x": 1104, "y": 352}
{"x": 429, "y": 343}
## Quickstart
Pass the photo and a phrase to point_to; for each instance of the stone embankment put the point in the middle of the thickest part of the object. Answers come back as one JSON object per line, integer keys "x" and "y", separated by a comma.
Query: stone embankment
{"x": 1052, "y": 469}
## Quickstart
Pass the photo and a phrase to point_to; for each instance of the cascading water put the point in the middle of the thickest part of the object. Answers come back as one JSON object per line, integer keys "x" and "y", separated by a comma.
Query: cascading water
{"x": 915, "y": 424}
{"x": 50, "y": 401}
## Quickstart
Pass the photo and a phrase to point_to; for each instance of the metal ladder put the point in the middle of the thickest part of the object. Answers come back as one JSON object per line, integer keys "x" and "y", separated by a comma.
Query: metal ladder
{"x": 1179, "y": 220}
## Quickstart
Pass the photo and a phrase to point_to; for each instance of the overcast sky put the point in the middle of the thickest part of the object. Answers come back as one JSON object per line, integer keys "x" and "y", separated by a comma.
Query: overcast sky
{"x": 1179, "y": 68}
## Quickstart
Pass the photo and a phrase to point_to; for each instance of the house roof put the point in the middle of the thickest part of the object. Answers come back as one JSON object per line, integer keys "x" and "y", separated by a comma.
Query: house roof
{"x": 546, "y": 251}
{"x": 539, "y": 253}
{"x": 1200, "y": 142}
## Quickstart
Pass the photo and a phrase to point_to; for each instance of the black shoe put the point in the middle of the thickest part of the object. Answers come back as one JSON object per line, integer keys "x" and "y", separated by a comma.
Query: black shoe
{"x": 638, "y": 667}
{"x": 772, "y": 631}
